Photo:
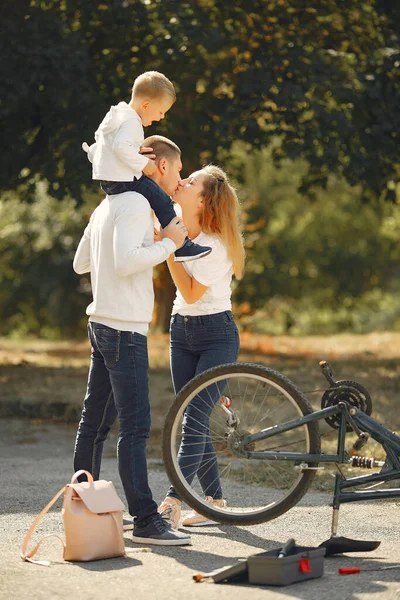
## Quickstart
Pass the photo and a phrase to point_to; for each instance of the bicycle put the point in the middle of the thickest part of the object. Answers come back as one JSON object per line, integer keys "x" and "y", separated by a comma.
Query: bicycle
{"x": 266, "y": 443}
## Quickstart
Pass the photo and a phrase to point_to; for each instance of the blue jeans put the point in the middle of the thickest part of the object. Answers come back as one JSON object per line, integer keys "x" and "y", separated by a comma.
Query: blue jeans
{"x": 197, "y": 344}
{"x": 159, "y": 201}
{"x": 118, "y": 387}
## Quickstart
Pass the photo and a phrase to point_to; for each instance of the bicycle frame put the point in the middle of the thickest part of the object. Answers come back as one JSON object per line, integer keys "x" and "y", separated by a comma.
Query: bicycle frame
{"x": 389, "y": 441}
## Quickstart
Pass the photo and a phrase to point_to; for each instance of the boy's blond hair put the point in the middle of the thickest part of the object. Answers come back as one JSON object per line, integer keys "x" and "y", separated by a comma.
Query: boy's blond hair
{"x": 153, "y": 85}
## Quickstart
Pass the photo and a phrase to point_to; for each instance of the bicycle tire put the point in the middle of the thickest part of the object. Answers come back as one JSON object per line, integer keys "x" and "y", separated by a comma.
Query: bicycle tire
{"x": 251, "y": 373}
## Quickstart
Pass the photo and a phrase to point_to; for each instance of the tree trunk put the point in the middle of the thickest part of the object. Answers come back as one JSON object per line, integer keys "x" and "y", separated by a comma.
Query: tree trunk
{"x": 164, "y": 290}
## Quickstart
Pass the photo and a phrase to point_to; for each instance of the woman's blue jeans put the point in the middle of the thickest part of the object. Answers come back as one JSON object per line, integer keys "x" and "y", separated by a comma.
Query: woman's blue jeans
{"x": 118, "y": 387}
{"x": 197, "y": 344}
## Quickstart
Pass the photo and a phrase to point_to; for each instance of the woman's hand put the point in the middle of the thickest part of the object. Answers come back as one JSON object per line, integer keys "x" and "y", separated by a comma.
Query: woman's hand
{"x": 157, "y": 235}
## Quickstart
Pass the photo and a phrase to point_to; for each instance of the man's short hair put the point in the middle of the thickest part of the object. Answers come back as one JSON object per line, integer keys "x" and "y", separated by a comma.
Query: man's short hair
{"x": 153, "y": 85}
{"x": 162, "y": 147}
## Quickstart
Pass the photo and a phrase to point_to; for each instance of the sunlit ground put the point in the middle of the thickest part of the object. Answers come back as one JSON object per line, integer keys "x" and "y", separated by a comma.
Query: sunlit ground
{"x": 39, "y": 373}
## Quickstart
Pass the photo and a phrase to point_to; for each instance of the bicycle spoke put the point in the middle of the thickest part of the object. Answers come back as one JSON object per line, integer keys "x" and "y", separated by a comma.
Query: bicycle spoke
{"x": 210, "y": 437}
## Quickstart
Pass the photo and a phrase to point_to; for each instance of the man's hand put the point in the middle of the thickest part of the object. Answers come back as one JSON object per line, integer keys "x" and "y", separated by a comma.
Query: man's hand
{"x": 150, "y": 168}
{"x": 175, "y": 231}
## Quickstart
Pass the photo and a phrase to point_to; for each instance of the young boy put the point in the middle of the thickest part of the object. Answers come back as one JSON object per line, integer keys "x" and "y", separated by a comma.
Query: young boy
{"x": 115, "y": 155}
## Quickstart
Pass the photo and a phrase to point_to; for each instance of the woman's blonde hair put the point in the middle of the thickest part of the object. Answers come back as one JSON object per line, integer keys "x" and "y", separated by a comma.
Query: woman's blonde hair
{"x": 221, "y": 215}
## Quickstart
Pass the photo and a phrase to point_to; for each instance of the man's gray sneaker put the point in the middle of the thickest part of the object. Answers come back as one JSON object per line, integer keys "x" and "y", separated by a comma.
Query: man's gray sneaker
{"x": 160, "y": 533}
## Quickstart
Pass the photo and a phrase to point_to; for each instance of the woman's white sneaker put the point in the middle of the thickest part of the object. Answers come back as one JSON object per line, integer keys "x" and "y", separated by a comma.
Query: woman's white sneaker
{"x": 195, "y": 519}
{"x": 170, "y": 510}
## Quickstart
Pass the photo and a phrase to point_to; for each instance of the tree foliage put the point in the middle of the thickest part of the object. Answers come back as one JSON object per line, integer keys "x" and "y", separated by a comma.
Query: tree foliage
{"x": 317, "y": 83}
{"x": 313, "y": 266}
{"x": 39, "y": 292}
{"x": 322, "y": 77}
{"x": 326, "y": 265}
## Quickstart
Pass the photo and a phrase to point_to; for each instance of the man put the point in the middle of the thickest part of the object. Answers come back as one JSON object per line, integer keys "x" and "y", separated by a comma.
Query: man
{"x": 118, "y": 250}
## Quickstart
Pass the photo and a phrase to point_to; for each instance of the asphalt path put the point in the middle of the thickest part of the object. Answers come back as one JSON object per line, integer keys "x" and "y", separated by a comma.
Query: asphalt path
{"x": 35, "y": 462}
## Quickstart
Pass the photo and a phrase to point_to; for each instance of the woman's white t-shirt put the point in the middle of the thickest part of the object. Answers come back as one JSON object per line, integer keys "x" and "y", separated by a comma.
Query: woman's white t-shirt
{"x": 213, "y": 271}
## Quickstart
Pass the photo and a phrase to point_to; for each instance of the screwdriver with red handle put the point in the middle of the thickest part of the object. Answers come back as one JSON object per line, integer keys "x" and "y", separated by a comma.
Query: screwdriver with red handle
{"x": 353, "y": 570}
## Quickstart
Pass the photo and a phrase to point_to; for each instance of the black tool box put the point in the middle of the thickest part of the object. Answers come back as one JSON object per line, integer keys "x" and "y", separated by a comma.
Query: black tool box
{"x": 272, "y": 567}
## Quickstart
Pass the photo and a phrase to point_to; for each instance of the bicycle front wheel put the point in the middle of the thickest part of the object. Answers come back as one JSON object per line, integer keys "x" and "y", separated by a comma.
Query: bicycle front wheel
{"x": 210, "y": 416}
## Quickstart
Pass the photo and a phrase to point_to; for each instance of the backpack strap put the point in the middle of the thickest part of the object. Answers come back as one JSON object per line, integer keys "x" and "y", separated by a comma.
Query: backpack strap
{"x": 82, "y": 472}
{"x": 45, "y": 563}
{"x": 28, "y": 556}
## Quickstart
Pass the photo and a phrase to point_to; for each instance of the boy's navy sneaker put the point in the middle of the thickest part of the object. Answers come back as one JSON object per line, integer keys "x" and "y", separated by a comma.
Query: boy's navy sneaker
{"x": 191, "y": 251}
{"x": 159, "y": 532}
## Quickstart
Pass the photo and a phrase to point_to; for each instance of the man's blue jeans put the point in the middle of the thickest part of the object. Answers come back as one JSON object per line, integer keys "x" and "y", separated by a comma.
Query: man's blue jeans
{"x": 118, "y": 387}
{"x": 197, "y": 344}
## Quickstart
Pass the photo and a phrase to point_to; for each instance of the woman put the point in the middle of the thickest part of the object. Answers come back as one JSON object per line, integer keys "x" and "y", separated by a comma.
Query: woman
{"x": 203, "y": 332}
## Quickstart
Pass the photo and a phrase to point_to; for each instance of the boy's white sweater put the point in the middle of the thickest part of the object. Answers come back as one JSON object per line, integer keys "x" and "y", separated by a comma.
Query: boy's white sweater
{"x": 118, "y": 249}
{"x": 115, "y": 154}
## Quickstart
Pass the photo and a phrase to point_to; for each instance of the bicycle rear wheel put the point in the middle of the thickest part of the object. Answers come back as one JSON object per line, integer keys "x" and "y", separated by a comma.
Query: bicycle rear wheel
{"x": 224, "y": 404}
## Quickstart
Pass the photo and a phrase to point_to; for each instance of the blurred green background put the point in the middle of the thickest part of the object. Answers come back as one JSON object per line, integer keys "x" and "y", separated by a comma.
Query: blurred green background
{"x": 298, "y": 100}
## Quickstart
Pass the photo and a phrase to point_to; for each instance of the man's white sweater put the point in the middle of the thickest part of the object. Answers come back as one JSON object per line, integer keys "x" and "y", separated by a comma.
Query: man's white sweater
{"x": 118, "y": 249}
{"x": 115, "y": 154}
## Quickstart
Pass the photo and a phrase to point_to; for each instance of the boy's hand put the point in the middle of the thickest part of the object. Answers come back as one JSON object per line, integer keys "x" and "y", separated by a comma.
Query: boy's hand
{"x": 147, "y": 152}
{"x": 150, "y": 168}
